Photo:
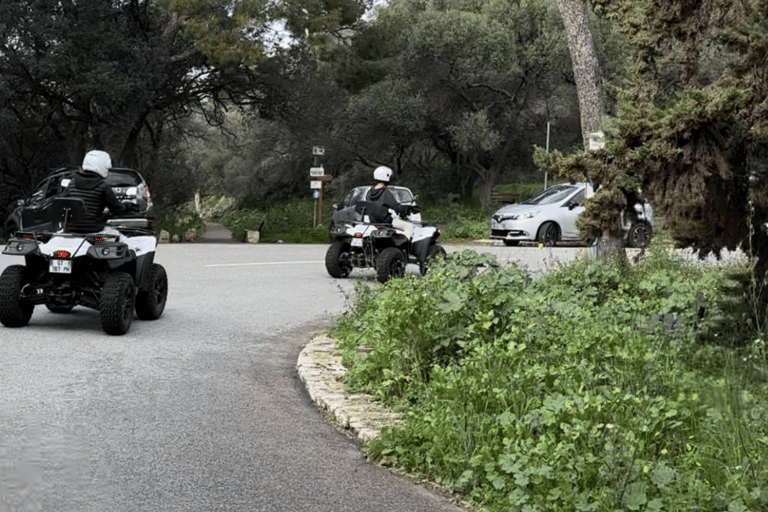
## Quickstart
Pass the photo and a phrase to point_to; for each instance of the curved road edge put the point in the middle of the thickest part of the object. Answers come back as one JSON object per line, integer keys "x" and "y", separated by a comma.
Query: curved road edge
{"x": 319, "y": 367}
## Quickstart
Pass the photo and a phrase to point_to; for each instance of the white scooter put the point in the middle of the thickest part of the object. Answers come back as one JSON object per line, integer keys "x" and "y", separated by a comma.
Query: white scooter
{"x": 387, "y": 248}
{"x": 111, "y": 272}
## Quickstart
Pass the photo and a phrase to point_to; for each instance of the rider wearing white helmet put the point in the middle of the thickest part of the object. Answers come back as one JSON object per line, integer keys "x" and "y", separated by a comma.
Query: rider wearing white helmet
{"x": 380, "y": 194}
{"x": 89, "y": 184}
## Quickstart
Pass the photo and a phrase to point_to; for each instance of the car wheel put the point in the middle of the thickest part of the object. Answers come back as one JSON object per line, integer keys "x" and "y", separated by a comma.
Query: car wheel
{"x": 640, "y": 235}
{"x": 337, "y": 259}
{"x": 14, "y": 312}
{"x": 434, "y": 251}
{"x": 59, "y": 309}
{"x": 390, "y": 263}
{"x": 150, "y": 303}
{"x": 511, "y": 243}
{"x": 117, "y": 303}
{"x": 549, "y": 234}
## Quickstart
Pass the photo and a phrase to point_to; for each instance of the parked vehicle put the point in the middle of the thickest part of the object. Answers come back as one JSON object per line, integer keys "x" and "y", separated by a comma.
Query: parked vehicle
{"x": 113, "y": 273}
{"x": 383, "y": 247}
{"x": 129, "y": 186}
{"x": 345, "y": 211}
{"x": 550, "y": 217}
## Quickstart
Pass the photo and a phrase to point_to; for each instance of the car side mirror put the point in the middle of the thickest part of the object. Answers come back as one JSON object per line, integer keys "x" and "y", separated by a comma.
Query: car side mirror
{"x": 572, "y": 204}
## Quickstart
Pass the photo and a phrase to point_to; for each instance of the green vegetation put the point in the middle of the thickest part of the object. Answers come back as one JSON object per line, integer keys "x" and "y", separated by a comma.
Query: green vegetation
{"x": 290, "y": 221}
{"x": 595, "y": 387}
{"x": 180, "y": 221}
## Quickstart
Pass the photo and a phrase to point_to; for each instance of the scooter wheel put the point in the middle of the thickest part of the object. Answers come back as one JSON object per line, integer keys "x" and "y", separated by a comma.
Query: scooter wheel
{"x": 434, "y": 251}
{"x": 14, "y": 312}
{"x": 391, "y": 263}
{"x": 150, "y": 303}
{"x": 337, "y": 259}
{"x": 117, "y": 303}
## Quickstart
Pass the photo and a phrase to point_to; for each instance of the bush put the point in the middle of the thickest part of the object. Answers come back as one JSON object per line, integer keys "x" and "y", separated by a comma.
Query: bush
{"x": 180, "y": 220}
{"x": 594, "y": 387}
{"x": 289, "y": 221}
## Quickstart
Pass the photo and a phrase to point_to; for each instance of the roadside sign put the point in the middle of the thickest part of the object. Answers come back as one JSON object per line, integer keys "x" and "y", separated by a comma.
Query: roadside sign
{"x": 316, "y": 172}
{"x": 596, "y": 141}
{"x": 315, "y": 184}
{"x": 318, "y": 150}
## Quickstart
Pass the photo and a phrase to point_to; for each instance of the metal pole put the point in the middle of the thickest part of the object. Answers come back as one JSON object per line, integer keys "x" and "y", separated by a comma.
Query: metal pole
{"x": 545, "y": 173}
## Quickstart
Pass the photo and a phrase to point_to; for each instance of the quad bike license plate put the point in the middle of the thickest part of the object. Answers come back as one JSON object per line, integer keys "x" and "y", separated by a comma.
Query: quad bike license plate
{"x": 357, "y": 242}
{"x": 60, "y": 267}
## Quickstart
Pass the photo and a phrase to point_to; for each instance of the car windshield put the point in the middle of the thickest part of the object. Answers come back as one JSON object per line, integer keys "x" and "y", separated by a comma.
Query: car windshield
{"x": 121, "y": 178}
{"x": 402, "y": 195}
{"x": 551, "y": 195}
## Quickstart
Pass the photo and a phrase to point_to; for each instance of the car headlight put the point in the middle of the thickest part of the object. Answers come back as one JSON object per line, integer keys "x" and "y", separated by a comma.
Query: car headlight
{"x": 522, "y": 216}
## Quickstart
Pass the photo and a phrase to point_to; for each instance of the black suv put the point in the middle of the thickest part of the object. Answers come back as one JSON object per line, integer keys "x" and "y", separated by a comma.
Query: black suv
{"x": 129, "y": 186}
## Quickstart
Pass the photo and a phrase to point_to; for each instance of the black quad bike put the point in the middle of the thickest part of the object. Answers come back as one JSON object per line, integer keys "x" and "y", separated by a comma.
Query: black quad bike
{"x": 114, "y": 274}
{"x": 383, "y": 247}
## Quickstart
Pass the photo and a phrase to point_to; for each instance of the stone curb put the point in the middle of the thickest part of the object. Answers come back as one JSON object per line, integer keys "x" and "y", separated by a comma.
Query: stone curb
{"x": 319, "y": 367}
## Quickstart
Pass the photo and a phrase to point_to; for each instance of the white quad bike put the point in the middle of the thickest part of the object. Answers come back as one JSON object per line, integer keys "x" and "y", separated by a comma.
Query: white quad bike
{"x": 385, "y": 248}
{"x": 114, "y": 274}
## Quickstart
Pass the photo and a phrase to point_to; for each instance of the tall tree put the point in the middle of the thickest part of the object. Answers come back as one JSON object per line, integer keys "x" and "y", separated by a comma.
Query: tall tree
{"x": 76, "y": 74}
{"x": 478, "y": 77}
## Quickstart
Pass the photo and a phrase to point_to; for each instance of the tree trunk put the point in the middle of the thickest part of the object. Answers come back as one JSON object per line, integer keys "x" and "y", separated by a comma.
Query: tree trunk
{"x": 589, "y": 88}
{"x": 586, "y": 67}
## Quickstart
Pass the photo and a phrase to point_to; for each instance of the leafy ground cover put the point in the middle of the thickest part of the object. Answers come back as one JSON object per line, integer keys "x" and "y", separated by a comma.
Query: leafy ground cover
{"x": 595, "y": 387}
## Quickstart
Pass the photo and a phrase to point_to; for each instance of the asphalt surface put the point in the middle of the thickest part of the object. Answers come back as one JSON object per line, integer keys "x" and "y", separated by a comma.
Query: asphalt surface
{"x": 201, "y": 410}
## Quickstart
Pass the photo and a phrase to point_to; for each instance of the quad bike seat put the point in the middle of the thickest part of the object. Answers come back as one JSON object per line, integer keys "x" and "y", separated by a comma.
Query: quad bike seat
{"x": 64, "y": 209}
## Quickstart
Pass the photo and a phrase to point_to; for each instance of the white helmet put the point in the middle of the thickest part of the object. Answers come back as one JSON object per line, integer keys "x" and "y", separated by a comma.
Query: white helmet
{"x": 382, "y": 173}
{"x": 98, "y": 162}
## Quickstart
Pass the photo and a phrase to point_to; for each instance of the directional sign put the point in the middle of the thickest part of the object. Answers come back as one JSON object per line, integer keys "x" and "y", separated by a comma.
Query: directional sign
{"x": 316, "y": 172}
{"x": 315, "y": 184}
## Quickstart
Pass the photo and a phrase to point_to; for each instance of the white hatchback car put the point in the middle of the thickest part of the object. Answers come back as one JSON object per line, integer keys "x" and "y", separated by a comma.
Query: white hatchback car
{"x": 550, "y": 217}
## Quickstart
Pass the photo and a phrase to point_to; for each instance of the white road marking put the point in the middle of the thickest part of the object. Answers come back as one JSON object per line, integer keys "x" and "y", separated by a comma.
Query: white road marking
{"x": 257, "y": 263}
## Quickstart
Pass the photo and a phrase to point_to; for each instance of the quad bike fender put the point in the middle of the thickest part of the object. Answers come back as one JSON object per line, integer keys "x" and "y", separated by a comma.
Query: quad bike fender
{"x": 143, "y": 270}
{"x": 423, "y": 237}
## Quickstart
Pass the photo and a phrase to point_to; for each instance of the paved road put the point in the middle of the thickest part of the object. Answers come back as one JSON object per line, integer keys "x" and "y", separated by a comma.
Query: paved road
{"x": 198, "y": 411}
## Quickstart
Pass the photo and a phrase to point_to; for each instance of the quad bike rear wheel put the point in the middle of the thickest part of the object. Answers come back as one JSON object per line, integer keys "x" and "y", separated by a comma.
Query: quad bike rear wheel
{"x": 117, "y": 303}
{"x": 14, "y": 312}
{"x": 337, "y": 259}
{"x": 150, "y": 303}
{"x": 390, "y": 263}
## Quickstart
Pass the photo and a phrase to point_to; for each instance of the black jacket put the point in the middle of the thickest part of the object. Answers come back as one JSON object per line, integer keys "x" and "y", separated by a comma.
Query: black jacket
{"x": 385, "y": 197}
{"x": 96, "y": 195}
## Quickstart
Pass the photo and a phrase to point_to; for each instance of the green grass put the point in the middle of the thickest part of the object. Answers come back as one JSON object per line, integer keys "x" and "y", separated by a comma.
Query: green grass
{"x": 595, "y": 387}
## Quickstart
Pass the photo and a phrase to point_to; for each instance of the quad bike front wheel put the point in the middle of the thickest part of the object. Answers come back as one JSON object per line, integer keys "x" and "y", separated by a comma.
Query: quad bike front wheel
{"x": 390, "y": 263}
{"x": 337, "y": 259}
{"x": 117, "y": 303}
{"x": 14, "y": 312}
{"x": 150, "y": 303}
{"x": 434, "y": 251}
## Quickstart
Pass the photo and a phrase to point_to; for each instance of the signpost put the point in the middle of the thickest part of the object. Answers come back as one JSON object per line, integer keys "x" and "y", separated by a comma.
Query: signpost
{"x": 317, "y": 181}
